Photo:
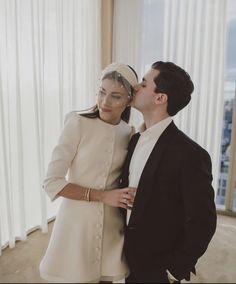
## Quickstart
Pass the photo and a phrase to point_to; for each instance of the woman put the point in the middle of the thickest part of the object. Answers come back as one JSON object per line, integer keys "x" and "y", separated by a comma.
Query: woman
{"x": 87, "y": 240}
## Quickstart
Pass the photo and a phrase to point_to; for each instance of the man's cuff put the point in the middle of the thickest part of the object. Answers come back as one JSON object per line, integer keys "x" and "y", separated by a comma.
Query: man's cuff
{"x": 171, "y": 277}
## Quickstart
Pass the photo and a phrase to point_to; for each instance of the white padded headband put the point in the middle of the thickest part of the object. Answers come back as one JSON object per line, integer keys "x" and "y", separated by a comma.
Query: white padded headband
{"x": 123, "y": 70}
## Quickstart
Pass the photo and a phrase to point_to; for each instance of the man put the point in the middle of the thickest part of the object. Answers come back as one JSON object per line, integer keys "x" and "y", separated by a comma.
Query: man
{"x": 173, "y": 217}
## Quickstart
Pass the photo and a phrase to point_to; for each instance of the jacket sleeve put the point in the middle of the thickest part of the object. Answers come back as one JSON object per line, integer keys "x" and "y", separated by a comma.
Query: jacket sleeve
{"x": 200, "y": 214}
{"x": 62, "y": 156}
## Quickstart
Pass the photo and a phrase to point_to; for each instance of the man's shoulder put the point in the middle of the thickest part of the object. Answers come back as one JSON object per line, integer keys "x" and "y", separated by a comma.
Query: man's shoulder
{"x": 188, "y": 145}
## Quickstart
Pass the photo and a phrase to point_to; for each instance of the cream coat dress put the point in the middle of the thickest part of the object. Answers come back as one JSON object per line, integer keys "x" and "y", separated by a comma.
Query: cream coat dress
{"x": 87, "y": 239}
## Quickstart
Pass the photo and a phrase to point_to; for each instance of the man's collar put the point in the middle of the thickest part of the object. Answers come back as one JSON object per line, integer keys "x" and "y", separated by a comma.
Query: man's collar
{"x": 156, "y": 129}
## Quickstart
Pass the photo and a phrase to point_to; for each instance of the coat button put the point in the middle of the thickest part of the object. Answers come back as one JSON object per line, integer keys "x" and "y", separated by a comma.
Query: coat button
{"x": 130, "y": 228}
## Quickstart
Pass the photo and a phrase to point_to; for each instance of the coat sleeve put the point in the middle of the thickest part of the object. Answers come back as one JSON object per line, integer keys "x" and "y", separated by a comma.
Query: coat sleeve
{"x": 200, "y": 214}
{"x": 62, "y": 156}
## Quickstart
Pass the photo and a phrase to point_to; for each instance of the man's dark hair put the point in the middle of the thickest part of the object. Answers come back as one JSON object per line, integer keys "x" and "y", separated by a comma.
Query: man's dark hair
{"x": 175, "y": 83}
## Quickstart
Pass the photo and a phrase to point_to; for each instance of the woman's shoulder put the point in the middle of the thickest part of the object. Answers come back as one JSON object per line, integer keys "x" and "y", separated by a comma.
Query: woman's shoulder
{"x": 75, "y": 116}
{"x": 72, "y": 115}
{"x": 85, "y": 124}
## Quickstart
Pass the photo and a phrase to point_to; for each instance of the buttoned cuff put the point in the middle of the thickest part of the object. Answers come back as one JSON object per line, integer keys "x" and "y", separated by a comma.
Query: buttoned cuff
{"x": 53, "y": 188}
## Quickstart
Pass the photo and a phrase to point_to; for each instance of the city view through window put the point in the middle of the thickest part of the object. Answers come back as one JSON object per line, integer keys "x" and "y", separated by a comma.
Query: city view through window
{"x": 229, "y": 95}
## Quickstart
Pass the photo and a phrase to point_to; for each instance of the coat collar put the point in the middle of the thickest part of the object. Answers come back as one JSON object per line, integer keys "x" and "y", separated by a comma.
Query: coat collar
{"x": 124, "y": 182}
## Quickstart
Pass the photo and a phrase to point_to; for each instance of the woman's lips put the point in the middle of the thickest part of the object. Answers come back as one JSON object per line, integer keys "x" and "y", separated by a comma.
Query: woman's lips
{"x": 105, "y": 109}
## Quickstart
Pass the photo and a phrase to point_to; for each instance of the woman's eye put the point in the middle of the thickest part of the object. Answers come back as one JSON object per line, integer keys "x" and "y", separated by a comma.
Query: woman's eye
{"x": 101, "y": 93}
{"x": 116, "y": 97}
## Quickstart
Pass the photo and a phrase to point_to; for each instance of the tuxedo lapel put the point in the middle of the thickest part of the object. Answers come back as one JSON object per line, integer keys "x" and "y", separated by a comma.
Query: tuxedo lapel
{"x": 124, "y": 180}
{"x": 125, "y": 175}
{"x": 151, "y": 169}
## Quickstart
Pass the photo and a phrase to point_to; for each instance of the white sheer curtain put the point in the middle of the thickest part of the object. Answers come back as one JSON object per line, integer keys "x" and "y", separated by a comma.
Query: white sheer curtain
{"x": 195, "y": 39}
{"x": 190, "y": 33}
{"x": 49, "y": 65}
{"x": 127, "y": 29}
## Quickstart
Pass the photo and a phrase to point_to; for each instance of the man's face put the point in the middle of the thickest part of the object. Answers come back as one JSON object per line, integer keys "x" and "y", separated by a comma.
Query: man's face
{"x": 144, "y": 98}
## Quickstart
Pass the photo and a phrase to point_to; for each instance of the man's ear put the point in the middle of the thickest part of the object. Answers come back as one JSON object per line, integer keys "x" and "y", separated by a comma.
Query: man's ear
{"x": 161, "y": 98}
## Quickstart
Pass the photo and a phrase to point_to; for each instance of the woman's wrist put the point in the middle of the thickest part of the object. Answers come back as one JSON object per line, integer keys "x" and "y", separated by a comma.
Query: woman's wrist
{"x": 96, "y": 195}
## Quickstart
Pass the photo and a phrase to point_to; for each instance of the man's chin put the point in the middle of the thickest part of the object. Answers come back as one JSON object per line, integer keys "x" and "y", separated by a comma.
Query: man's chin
{"x": 133, "y": 104}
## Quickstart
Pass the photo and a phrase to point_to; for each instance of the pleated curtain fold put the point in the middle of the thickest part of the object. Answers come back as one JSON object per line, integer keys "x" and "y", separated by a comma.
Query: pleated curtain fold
{"x": 195, "y": 38}
{"x": 50, "y": 63}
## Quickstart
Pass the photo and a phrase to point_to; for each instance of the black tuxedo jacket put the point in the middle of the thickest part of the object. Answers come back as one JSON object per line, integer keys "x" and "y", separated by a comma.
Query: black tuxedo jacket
{"x": 173, "y": 217}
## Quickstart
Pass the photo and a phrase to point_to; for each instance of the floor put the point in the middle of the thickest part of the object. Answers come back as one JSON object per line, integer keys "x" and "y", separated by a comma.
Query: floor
{"x": 217, "y": 265}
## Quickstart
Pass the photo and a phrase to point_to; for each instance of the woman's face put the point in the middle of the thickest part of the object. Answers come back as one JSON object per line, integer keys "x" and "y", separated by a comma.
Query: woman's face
{"x": 112, "y": 100}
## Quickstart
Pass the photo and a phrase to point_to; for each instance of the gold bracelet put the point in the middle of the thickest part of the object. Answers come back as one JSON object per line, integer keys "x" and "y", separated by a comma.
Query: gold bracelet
{"x": 88, "y": 194}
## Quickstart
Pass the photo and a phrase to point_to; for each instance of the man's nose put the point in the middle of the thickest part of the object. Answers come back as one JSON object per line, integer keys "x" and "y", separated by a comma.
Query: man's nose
{"x": 137, "y": 87}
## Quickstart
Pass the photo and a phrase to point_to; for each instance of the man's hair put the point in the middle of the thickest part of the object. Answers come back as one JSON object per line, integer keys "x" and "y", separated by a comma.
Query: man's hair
{"x": 175, "y": 83}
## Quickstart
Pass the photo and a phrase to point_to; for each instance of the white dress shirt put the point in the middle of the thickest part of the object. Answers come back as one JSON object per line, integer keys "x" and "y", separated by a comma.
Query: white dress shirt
{"x": 142, "y": 152}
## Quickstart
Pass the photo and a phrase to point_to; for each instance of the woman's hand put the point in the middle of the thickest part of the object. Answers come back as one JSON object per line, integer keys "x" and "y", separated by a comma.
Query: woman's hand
{"x": 123, "y": 198}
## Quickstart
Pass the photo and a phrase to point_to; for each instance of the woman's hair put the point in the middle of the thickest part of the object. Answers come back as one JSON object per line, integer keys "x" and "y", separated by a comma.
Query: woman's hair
{"x": 93, "y": 112}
